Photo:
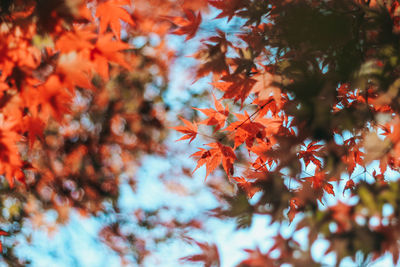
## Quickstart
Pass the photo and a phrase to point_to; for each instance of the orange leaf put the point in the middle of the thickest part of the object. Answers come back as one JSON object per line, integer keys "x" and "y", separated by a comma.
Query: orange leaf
{"x": 76, "y": 40}
{"x": 34, "y": 126}
{"x": 107, "y": 49}
{"x": 213, "y": 157}
{"x": 293, "y": 206}
{"x": 248, "y": 187}
{"x": 187, "y": 26}
{"x": 110, "y": 13}
{"x": 349, "y": 185}
{"x": 215, "y": 117}
{"x": 74, "y": 71}
{"x": 54, "y": 99}
{"x": 190, "y": 130}
{"x": 237, "y": 87}
{"x": 228, "y": 157}
{"x": 328, "y": 188}
{"x": 310, "y": 154}
{"x": 319, "y": 181}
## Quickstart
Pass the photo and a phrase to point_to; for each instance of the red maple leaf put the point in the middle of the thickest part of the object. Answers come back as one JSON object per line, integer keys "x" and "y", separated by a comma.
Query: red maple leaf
{"x": 110, "y": 13}
{"x": 320, "y": 182}
{"x": 215, "y": 117}
{"x": 257, "y": 259}
{"x": 190, "y": 130}
{"x": 76, "y": 40}
{"x": 212, "y": 56}
{"x": 228, "y": 7}
{"x": 107, "y": 49}
{"x": 309, "y": 155}
{"x": 236, "y": 87}
{"x": 73, "y": 70}
{"x": 248, "y": 187}
{"x": 354, "y": 155}
{"x": 228, "y": 157}
{"x": 53, "y": 99}
{"x": 380, "y": 178}
{"x": 342, "y": 214}
{"x": 248, "y": 130}
{"x": 349, "y": 185}
{"x": 212, "y": 158}
{"x": 34, "y": 126}
{"x": 187, "y": 26}
{"x": 209, "y": 255}
{"x": 293, "y": 208}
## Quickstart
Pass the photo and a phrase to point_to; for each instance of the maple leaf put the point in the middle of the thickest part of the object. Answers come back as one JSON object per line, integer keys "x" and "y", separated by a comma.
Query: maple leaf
{"x": 34, "y": 126}
{"x": 110, "y": 13}
{"x": 209, "y": 256}
{"x": 328, "y": 188}
{"x": 257, "y": 259}
{"x": 281, "y": 244}
{"x": 215, "y": 117}
{"x": 342, "y": 214}
{"x": 187, "y": 26}
{"x": 248, "y": 187}
{"x": 228, "y": 157}
{"x": 380, "y": 178}
{"x": 354, "y": 156}
{"x": 244, "y": 64}
{"x": 349, "y": 185}
{"x": 247, "y": 130}
{"x": 393, "y": 131}
{"x": 228, "y": 7}
{"x": 10, "y": 160}
{"x": 236, "y": 87}
{"x": 263, "y": 159}
{"x": 190, "y": 130}
{"x": 212, "y": 56}
{"x": 76, "y": 40}
{"x": 264, "y": 106}
{"x": 106, "y": 49}
{"x": 110, "y": 49}
{"x": 319, "y": 182}
{"x": 293, "y": 208}
{"x": 212, "y": 158}
{"x": 74, "y": 70}
{"x": 54, "y": 99}
{"x": 310, "y": 154}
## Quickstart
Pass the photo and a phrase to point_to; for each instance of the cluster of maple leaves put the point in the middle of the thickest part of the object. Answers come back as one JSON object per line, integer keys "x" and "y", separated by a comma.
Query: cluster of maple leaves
{"x": 74, "y": 115}
{"x": 317, "y": 84}
{"x": 38, "y": 80}
{"x": 308, "y": 95}
{"x": 49, "y": 50}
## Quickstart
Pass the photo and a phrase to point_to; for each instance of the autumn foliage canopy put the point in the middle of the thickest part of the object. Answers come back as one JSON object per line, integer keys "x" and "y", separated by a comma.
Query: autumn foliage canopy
{"x": 74, "y": 116}
{"x": 307, "y": 107}
{"x": 303, "y": 119}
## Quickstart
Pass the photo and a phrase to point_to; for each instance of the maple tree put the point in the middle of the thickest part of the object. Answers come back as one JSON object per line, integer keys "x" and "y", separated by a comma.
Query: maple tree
{"x": 81, "y": 86}
{"x": 307, "y": 117}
